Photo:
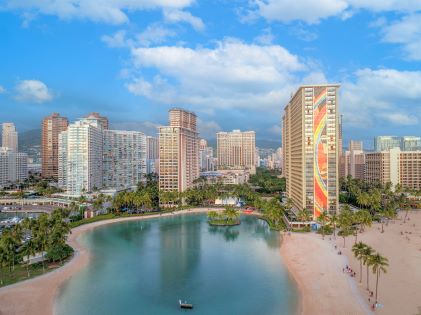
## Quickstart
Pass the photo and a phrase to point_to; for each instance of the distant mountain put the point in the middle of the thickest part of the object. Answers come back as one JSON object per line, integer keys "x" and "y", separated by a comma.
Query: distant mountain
{"x": 32, "y": 137}
{"x": 29, "y": 138}
{"x": 268, "y": 144}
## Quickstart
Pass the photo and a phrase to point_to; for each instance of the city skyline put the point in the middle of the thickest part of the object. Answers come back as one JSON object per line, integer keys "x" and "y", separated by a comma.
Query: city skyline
{"x": 275, "y": 49}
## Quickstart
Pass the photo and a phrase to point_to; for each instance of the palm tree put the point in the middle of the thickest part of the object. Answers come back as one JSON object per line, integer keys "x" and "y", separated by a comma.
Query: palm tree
{"x": 28, "y": 251}
{"x": 3, "y": 261}
{"x": 17, "y": 235}
{"x": 378, "y": 264}
{"x": 9, "y": 247}
{"x": 366, "y": 254}
{"x": 407, "y": 208}
{"x": 364, "y": 219}
{"x": 357, "y": 249}
{"x": 304, "y": 215}
{"x": 344, "y": 232}
{"x": 334, "y": 220}
{"x": 231, "y": 214}
{"x": 213, "y": 215}
{"x": 323, "y": 218}
{"x": 41, "y": 235}
{"x": 362, "y": 199}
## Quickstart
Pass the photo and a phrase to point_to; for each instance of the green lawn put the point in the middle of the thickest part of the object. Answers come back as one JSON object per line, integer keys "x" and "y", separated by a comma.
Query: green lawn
{"x": 224, "y": 222}
{"x": 20, "y": 273}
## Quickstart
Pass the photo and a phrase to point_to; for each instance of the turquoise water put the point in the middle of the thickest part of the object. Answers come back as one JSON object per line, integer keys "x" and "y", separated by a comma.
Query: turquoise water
{"x": 145, "y": 267}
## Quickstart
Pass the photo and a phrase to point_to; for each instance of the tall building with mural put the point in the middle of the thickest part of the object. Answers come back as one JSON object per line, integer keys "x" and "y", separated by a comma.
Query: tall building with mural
{"x": 310, "y": 142}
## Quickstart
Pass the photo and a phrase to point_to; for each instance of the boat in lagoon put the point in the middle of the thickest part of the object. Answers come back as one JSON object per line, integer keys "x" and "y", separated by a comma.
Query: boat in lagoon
{"x": 185, "y": 305}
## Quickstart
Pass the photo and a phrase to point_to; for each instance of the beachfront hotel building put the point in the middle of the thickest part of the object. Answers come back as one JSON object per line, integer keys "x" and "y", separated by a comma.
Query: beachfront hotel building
{"x": 152, "y": 154}
{"x": 7, "y": 166}
{"x": 236, "y": 150}
{"x": 206, "y": 159}
{"x": 9, "y": 136}
{"x": 405, "y": 143}
{"x": 21, "y": 166}
{"x": 352, "y": 161}
{"x": 13, "y": 166}
{"x": 124, "y": 158}
{"x": 50, "y": 130}
{"x": 178, "y": 151}
{"x": 80, "y": 151}
{"x": 394, "y": 166}
{"x": 310, "y": 134}
{"x": 96, "y": 117}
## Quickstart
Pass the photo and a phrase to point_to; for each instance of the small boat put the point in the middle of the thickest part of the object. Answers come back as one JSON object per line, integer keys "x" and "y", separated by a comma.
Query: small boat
{"x": 185, "y": 305}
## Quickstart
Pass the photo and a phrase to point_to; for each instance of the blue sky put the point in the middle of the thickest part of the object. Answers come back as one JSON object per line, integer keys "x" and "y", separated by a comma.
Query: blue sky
{"x": 235, "y": 63}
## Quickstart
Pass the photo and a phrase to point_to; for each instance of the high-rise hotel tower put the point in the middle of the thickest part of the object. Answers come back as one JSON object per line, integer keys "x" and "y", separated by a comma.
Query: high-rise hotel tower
{"x": 51, "y": 128}
{"x": 310, "y": 142}
{"x": 178, "y": 151}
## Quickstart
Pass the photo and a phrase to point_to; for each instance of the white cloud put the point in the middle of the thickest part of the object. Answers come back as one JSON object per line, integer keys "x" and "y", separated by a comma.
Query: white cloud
{"x": 401, "y": 119}
{"x": 230, "y": 75}
{"x": 407, "y": 32}
{"x": 311, "y": 11}
{"x": 376, "y": 95}
{"x": 33, "y": 91}
{"x": 275, "y": 130}
{"x": 266, "y": 38}
{"x": 116, "y": 40}
{"x": 177, "y": 16}
{"x": 154, "y": 34}
{"x": 303, "y": 33}
{"x": 208, "y": 128}
{"x": 107, "y": 11}
{"x": 386, "y": 5}
{"x": 2, "y": 89}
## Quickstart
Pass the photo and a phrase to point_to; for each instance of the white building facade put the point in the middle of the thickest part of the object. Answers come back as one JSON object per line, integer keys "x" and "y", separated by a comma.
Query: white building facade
{"x": 9, "y": 136}
{"x": 82, "y": 146}
{"x": 124, "y": 158}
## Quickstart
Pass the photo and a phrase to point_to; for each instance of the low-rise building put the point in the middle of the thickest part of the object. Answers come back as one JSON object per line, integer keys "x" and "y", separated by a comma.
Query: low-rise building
{"x": 227, "y": 177}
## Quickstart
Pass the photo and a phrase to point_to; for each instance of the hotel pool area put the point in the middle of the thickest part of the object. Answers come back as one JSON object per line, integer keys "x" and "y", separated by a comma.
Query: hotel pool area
{"x": 145, "y": 267}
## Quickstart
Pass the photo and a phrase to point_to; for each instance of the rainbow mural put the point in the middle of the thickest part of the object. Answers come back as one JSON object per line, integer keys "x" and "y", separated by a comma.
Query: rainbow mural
{"x": 320, "y": 153}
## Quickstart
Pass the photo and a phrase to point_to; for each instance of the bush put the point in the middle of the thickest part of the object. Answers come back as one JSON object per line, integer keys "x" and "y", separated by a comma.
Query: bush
{"x": 302, "y": 230}
{"x": 327, "y": 230}
{"x": 59, "y": 252}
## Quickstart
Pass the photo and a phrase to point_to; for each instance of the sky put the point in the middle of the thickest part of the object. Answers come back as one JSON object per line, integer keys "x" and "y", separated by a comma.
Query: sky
{"x": 234, "y": 63}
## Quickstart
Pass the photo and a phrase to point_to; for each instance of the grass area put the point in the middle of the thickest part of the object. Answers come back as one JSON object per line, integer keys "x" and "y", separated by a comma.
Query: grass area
{"x": 20, "y": 273}
{"x": 224, "y": 222}
{"x": 94, "y": 219}
{"x": 302, "y": 230}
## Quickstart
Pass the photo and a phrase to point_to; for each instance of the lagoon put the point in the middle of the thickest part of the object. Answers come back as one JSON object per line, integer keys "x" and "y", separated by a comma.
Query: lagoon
{"x": 145, "y": 267}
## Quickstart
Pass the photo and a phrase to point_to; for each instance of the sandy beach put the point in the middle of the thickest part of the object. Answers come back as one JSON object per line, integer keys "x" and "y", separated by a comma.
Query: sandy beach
{"x": 325, "y": 289}
{"x": 37, "y": 296}
{"x": 400, "y": 287}
{"x": 317, "y": 269}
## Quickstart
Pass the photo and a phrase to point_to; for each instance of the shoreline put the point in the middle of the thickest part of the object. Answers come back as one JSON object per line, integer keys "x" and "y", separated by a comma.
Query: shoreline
{"x": 316, "y": 268}
{"x": 40, "y": 293}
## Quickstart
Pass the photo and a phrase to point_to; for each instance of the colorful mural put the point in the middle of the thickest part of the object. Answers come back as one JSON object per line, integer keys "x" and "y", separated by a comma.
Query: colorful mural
{"x": 320, "y": 153}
